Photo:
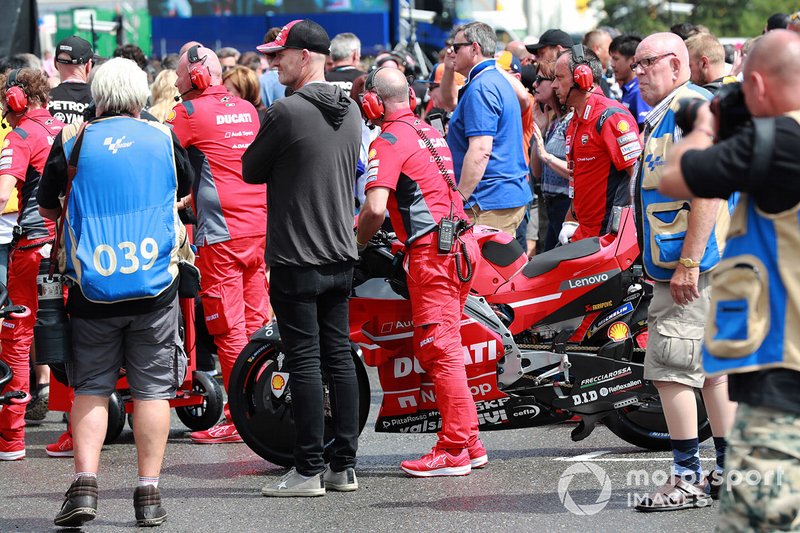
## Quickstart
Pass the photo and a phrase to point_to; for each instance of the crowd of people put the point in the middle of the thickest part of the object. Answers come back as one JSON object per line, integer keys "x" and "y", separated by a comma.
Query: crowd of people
{"x": 252, "y": 166}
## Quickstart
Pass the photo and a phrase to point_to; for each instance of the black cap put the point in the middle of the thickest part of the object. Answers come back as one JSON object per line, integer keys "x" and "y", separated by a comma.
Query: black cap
{"x": 79, "y": 51}
{"x": 299, "y": 34}
{"x": 551, "y": 38}
{"x": 778, "y": 21}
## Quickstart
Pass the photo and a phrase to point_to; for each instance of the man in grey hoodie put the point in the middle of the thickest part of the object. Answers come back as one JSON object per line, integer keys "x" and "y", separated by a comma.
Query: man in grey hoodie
{"x": 306, "y": 152}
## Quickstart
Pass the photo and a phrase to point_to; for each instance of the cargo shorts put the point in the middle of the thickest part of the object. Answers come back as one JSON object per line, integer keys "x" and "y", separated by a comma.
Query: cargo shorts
{"x": 676, "y": 336}
{"x": 148, "y": 346}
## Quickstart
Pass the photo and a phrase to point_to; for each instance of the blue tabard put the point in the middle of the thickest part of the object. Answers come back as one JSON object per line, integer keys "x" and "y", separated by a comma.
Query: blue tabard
{"x": 664, "y": 220}
{"x": 121, "y": 229}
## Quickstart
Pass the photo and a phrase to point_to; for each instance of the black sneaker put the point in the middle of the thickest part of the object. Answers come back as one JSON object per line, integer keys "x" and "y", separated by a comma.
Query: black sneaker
{"x": 147, "y": 504}
{"x": 80, "y": 504}
{"x": 36, "y": 409}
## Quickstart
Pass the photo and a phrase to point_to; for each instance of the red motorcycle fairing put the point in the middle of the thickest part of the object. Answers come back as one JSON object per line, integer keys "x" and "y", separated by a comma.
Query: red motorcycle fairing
{"x": 575, "y": 281}
{"x": 409, "y": 401}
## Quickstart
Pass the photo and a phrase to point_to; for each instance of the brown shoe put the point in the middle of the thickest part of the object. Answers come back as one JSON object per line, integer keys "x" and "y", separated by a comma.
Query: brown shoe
{"x": 676, "y": 494}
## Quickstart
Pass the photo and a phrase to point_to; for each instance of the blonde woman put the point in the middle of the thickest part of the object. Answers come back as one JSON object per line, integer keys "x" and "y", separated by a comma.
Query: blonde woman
{"x": 163, "y": 93}
{"x": 243, "y": 82}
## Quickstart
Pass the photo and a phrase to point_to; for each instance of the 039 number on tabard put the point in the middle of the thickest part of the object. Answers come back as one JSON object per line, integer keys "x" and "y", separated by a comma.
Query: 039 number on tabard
{"x": 106, "y": 259}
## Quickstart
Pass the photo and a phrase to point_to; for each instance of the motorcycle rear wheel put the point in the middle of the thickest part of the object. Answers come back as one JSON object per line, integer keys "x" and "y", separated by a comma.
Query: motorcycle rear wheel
{"x": 266, "y": 423}
{"x": 645, "y": 426}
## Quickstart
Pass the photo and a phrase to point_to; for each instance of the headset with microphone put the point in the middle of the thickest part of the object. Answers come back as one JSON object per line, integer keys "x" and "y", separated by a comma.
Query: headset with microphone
{"x": 372, "y": 103}
{"x": 199, "y": 73}
{"x": 16, "y": 99}
{"x": 582, "y": 74}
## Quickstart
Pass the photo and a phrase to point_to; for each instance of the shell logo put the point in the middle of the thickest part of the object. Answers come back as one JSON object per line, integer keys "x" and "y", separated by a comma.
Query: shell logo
{"x": 623, "y": 126}
{"x": 618, "y": 331}
{"x": 171, "y": 115}
{"x": 372, "y": 154}
{"x": 278, "y": 382}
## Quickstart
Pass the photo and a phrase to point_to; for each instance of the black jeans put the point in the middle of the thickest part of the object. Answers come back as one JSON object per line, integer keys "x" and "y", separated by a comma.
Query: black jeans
{"x": 557, "y": 207}
{"x": 311, "y": 306}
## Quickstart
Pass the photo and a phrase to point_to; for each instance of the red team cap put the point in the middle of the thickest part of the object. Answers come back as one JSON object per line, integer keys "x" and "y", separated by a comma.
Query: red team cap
{"x": 301, "y": 35}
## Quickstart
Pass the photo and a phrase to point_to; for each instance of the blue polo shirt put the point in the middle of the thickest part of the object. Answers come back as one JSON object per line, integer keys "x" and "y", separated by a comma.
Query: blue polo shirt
{"x": 488, "y": 105}
{"x": 632, "y": 99}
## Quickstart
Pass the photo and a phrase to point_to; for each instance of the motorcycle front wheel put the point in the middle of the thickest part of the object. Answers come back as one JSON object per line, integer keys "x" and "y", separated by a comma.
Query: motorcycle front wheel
{"x": 646, "y": 427}
{"x": 265, "y": 420}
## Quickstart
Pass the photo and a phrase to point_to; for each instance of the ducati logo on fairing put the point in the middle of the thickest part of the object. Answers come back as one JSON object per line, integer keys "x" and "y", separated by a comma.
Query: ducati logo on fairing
{"x": 587, "y": 281}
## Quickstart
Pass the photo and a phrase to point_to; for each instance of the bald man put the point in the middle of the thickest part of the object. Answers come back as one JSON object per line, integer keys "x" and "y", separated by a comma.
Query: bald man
{"x": 409, "y": 177}
{"x": 518, "y": 49}
{"x": 764, "y": 374}
{"x": 216, "y": 128}
{"x": 682, "y": 243}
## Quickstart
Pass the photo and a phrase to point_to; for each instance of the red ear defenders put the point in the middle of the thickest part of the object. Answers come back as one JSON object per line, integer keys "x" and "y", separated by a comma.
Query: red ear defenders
{"x": 372, "y": 103}
{"x": 199, "y": 74}
{"x": 16, "y": 100}
{"x": 582, "y": 75}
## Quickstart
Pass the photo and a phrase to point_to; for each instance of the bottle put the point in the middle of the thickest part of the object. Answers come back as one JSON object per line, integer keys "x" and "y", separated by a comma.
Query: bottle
{"x": 52, "y": 334}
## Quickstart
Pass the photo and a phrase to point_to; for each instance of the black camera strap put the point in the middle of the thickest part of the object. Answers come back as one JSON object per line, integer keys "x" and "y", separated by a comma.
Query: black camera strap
{"x": 72, "y": 169}
{"x": 763, "y": 147}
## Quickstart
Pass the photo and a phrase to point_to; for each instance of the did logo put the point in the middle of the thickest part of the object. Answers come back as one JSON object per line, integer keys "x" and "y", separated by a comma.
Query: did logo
{"x": 580, "y": 470}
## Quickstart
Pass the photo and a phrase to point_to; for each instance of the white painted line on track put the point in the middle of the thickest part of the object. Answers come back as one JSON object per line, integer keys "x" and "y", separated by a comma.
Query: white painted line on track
{"x": 596, "y": 457}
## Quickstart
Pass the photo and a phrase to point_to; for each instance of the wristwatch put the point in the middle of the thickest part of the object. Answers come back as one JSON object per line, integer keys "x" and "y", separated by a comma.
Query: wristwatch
{"x": 688, "y": 262}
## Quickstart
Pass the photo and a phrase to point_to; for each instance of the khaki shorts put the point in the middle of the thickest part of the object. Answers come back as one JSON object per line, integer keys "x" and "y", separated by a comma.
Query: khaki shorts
{"x": 675, "y": 336}
{"x": 507, "y": 220}
{"x": 762, "y": 472}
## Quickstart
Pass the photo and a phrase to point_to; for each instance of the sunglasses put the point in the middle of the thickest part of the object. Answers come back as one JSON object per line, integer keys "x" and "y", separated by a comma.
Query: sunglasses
{"x": 455, "y": 47}
{"x": 540, "y": 79}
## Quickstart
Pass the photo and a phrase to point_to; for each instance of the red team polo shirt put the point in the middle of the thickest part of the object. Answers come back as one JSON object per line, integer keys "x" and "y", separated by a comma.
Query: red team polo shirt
{"x": 421, "y": 195}
{"x": 23, "y": 155}
{"x": 599, "y": 161}
{"x": 216, "y": 128}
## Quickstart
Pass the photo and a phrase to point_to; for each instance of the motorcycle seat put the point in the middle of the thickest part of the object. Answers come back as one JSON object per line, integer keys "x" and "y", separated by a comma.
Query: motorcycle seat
{"x": 548, "y": 261}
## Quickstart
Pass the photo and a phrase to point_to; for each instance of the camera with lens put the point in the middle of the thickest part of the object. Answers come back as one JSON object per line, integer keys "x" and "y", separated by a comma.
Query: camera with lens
{"x": 727, "y": 106}
{"x": 52, "y": 333}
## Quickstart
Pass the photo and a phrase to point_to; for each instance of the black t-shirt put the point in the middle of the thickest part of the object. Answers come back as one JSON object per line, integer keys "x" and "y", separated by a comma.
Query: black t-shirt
{"x": 68, "y": 101}
{"x": 343, "y": 77}
{"x": 718, "y": 172}
{"x": 54, "y": 183}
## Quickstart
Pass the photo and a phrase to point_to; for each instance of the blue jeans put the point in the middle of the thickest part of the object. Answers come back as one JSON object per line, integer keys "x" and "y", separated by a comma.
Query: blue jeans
{"x": 311, "y": 306}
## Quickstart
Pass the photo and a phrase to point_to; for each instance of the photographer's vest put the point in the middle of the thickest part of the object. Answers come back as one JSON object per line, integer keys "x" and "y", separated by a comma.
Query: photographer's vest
{"x": 122, "y": 226}
{"x": 755, "y": 297}
{"x": 664, "y": 220}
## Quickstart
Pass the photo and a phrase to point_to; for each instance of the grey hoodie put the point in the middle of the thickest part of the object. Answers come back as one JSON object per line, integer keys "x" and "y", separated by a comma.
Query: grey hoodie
{"x": 306, "y": 152}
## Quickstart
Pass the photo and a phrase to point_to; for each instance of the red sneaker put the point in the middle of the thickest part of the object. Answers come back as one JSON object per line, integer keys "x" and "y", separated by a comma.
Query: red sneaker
{"x": 222, "y": 433}
{"x": 478, "y": 457}
{"x": 438, "y": 463}
{"x": 11, "y": 450}
{"x": 62, "y": 447}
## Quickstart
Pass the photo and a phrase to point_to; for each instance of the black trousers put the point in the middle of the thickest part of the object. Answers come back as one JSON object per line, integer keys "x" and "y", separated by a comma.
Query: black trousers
{"x": 311, "y": 306}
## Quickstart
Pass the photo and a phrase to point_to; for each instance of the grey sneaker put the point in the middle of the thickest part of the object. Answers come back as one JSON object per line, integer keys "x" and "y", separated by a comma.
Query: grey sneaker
{"x": 344, "y": 481}
{"x": 293, "y": 484}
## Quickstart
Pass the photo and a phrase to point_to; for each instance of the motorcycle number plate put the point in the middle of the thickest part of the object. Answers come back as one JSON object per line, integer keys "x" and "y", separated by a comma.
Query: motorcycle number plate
{"x": 278, "y": 383}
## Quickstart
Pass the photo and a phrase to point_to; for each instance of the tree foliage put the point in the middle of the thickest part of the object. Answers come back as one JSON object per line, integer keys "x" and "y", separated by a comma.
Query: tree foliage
{"x": 725, "y": 18}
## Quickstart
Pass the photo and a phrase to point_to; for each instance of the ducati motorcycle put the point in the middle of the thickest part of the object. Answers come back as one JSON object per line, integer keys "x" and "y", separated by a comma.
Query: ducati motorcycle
{"x": 545, "y": 340}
